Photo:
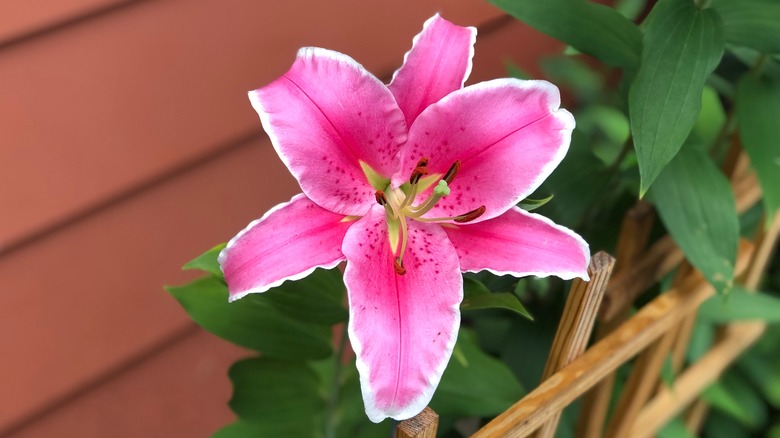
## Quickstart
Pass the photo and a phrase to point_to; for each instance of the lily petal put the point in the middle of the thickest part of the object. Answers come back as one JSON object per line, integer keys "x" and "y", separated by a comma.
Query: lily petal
{"x": 287, "y": 243}
{"x": 508, "y": 134}
{"x": 438, "y": 64}
{"x": 519, "y": 243}
{"x": 325, "y": 116}
{"x": 402, "y": 327}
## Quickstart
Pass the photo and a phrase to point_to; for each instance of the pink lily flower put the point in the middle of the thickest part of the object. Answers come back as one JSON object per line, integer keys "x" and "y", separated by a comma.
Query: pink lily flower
{"x": 412, "y": 184}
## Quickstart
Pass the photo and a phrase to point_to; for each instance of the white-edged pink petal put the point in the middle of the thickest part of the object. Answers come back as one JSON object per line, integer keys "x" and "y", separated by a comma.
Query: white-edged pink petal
{"x": 438, "y": 63}
{"x": 402, "y": 327}
{"x": 520, "y": 243}
{"x": 287, "y": 243}
{"x": 508, "y": 134}
{"x": 326, "y": 115}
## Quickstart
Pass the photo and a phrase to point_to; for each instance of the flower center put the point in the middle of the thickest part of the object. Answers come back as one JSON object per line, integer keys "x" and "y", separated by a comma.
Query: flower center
{"x": 399, "y": 203}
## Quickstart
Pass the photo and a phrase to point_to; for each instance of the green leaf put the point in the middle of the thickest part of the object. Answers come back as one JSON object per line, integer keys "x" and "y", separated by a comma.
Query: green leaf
{"x": 477, "y": 296}
{"x": 630, "y": 9}
{"x": 741, "y": 305}
{"x": 315, "y": 299}
{"x": 758, "y": 112}
{"x": 607, "y": 129}
{"x": 485, "y": 387}
{"x": 763, "y": 372}
{"x": 682, "y": 46}
{"x": 591, "y": 28}
{"x": 253, "y": 321}
{"x": 529, "y": 204}
{"x": 578, "y": 183}
{"x": 207, "y": 261}
{"x": 574, "y": 74}
{"x": 751, "y": 23}
{"x": 351, "y": 419}
{"x": 711, "y": 118}
{"x": 774, "y": 432}
{"x": 736, "y": 397}
{"x": 697, "y": 207}
{"x": 276, "y": 393}
{"x": 702, "y": 338}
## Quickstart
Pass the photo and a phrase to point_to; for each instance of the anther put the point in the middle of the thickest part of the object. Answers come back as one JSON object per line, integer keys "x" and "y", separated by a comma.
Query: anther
{"x": 380, "y": 198}
{"x": 450, "y": 175}
{"x": 399, "y": 267}
{"x": 419, "y": 171}
{"x": 470, "y": 216}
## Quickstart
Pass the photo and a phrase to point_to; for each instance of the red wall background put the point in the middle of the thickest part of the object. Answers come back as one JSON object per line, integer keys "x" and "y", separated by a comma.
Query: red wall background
{"x": 127, "y": 147}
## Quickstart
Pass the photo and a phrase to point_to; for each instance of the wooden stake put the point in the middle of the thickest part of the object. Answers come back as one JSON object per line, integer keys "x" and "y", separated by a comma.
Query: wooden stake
{"x": 648, "y": 325}
{"x": 632, "y": 241}
{"x": 670, "y": 401}
{"x": 422, "y": 425}
{"x": 576, "y": 324}
{"x": 638, "y": 389}
{"x": 595, "y": 404}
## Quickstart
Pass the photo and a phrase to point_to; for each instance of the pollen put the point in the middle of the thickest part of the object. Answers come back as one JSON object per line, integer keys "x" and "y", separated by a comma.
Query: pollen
{"x": 398, "y": 266}
{"x": 470, "y": 216}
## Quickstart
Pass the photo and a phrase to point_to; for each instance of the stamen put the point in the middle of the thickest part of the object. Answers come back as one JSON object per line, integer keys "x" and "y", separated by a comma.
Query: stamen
{"x": 441, "y": 190}
{"x": 470, "y": 216}
{"x": 454, "y": 169}
{"x": 381, "y": 199}
{"x": 399, "y": 267}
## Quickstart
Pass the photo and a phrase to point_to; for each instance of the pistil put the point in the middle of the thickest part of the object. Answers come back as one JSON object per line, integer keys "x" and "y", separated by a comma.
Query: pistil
{"x": 399, "y": 206}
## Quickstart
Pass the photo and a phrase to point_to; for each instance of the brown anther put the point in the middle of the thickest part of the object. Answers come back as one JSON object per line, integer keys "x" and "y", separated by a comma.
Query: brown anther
{"x": 419, "y": 170}
{"x": 380, "y": 198}
{"x": 418, "y": 173}
{"x": 450, "y": 175}
{"x": 470, "y": 216}
{"x": 399, "y": 268}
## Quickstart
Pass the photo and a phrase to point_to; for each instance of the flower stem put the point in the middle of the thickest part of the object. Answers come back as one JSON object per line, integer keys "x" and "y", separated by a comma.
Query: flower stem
{"x": 335, "y": 389}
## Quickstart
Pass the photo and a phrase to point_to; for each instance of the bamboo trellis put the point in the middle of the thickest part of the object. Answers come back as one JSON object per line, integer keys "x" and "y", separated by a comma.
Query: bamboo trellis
{"x": 660, "y": 329}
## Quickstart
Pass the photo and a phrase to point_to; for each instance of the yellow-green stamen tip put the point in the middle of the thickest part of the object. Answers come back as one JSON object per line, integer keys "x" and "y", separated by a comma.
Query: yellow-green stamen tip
{"x": 441, "y": 189}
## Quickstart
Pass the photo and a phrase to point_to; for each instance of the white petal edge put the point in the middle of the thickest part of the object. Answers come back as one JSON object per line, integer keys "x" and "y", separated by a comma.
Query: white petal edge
{"x": 232, "y": 242}
{"x": 566, "y": 275}
{"x": 416, "y": 39}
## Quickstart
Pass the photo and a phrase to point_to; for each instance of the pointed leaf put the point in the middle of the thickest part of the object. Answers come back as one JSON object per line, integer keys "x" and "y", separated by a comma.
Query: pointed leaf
{"x": 697, "y": 207}
{"x": 751, "y": 23}
{"x": 758, "y": 109}
{"x": 276, "y": 393}
{"x": 477, "y": 296}
{"x": 529, "y": 204}
{"x": 591, "y": 28}
{"x": 207, "y": 261}
{"x": 483, "y": 387}
{"x": 682, "y": 46}
{"x": 741, "y": 305}
{"x": 315, "y": 299}
{"x": 254, "y": 322}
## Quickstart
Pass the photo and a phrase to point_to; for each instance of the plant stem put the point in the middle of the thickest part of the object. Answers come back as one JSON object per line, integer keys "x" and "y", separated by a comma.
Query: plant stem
{"x": 330, "y": 426}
